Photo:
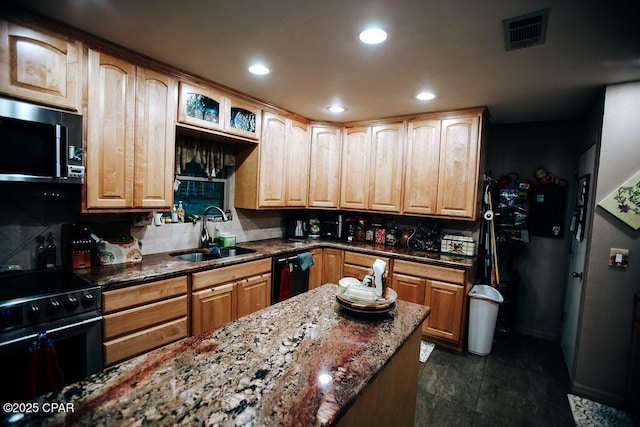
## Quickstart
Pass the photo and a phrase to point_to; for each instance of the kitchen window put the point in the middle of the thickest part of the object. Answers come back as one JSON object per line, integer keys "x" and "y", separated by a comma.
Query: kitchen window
{"x": 202, "y": 171}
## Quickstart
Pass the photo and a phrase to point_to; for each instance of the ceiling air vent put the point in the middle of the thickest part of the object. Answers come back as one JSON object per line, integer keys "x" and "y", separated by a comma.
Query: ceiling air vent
{"x": 526, "y": 30}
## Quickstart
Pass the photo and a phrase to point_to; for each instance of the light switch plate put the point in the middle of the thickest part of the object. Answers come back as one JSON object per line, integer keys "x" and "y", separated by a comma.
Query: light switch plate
{"x": 619, "y": 258}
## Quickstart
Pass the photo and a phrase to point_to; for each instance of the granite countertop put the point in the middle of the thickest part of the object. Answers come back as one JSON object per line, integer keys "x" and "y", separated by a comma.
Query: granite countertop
{"x": 299, "y": 362}
{"x": 163, "y": 265}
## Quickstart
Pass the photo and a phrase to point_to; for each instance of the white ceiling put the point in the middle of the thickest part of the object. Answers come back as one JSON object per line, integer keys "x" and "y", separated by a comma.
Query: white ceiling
{"x": 454, "y": 48}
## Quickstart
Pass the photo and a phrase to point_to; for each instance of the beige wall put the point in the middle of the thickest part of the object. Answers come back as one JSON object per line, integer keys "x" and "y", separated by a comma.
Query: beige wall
{"x": 604, "y": 336}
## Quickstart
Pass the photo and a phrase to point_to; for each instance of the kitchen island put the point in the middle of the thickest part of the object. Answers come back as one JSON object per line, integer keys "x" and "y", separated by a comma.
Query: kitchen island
{"x": 304, "y": 361}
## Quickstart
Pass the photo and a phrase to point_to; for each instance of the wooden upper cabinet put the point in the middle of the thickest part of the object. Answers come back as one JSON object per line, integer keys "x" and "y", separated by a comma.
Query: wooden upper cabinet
{"x": 422, "y": 163}
{"x": 324, "y": 172}
{"x": 244, "y": 118}
{"x": 201, "y": 106}
{"x": 354, "y": 192}
{"x": 276, "y": 174}
{"x": 273, "y": 148}
{"x": 208, "y": 108}
{"x": 130, "y": 136}
{"x": 110, "y": 132}
{"x": 40, "y": 67}
{"x": 372, "y": 168}
{"x": 386, "y": 167}
{"x": 459, "y": 167}
{"x": 155, "y": 139}
{"x": 297, "y": 164}
{"x": 443, "y": 166}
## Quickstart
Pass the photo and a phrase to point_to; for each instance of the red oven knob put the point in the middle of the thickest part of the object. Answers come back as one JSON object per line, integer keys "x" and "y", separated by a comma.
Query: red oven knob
{"x": 72, "y": 303}
{"x": 88, "y": 300}
{"x": 54, "y": 306}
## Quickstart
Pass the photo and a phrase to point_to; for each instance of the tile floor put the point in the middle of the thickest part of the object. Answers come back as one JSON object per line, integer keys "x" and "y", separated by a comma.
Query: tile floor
{"x": 522, "y": 382}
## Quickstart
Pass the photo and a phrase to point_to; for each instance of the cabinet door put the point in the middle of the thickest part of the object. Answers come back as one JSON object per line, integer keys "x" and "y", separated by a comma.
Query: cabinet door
{"x": 446, "y": 302}
{"x": 272, "y": 178}
{"x": 315, "y": 272}
{"x": 110, "y": 132}
{"x": 40, "y": 67}
{"x": 409, "y": 288}
{"x": 254, "y": 294}
{"x": 422, "y": 163}
{"x": 244, "y": 119}
{"x": 386, "y": 167}
{"x": 212, "y": 308}
{"x": 201, "y": 106}
{"x": 459, "y": 163}
{"x": 331, "y": 265}
{"x": 297, "y": 164}
{"x": 154, "y": 140}
{"x": 324, "y": 175}
{"x": 356, "y": 147}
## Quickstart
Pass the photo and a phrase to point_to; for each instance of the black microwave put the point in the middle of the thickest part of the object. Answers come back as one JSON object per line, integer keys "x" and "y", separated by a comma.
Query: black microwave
{"x": 40, "y": 144}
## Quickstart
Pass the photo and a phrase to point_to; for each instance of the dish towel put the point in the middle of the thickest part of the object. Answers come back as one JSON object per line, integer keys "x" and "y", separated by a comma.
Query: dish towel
{"x": 285, "y": 283}
{"x": 305, "y": 260}
{"x": 44, "y": 370}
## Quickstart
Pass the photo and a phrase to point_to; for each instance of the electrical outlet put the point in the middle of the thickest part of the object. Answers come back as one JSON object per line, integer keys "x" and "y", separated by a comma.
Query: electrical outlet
{"x": 619, "y": 258}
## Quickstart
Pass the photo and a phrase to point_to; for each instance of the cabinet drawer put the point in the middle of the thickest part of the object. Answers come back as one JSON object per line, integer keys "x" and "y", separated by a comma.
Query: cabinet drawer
{"x": 362, "y": 260}
{"x": 349, "y": 270}
{"x": 116, "y": 324}
{"x": 232, "y": 273}
{"x": 444, "y": 274}
{"x": 145, "y": 340}
{"x": 142, "y": 294}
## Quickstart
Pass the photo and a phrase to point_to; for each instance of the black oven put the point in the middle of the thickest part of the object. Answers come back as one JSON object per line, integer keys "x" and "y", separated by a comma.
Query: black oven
{"x": 289, "y": 278}
{"x": 50, "y": 332}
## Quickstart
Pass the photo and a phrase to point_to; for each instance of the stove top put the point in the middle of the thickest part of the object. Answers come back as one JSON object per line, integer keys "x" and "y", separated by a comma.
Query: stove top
{"x": 38, "y": 283}
{"x": 39, "y": 297}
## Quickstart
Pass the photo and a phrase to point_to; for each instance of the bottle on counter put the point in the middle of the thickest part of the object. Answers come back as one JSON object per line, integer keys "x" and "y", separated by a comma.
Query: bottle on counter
{"x": 41, "y": 257}
{"x": 180, "y": 212}
{"x": 174, "y": 214}
{"x": 50, "y": 252}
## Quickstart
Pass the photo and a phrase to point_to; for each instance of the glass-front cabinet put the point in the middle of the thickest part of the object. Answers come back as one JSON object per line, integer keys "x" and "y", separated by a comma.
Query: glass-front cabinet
{"x": 207, "y": 108}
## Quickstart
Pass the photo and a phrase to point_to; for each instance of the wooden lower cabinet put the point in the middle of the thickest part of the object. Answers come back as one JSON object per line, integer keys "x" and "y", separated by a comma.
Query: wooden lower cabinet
{"x": 227, "y": 293}
{"x": 443, "y": 290}
{"x": 446, "y": 301}
{"x": 409, "y": 288}
{"x": 332, "y": 265}
{"x": 143, "y": 317}
{"x": 315, "y": 272}
{"x": 212, "y": 308}
{"x": 254, "y": 293}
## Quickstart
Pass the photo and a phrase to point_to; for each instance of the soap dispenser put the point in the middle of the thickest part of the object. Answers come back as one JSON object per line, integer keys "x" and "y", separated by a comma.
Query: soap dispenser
{"x": 180, "y": 212}
{"x": 174, "y": 214}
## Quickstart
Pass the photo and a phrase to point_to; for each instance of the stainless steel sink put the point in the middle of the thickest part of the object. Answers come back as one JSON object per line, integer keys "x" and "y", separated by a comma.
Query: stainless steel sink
{"x": 198, "y": 255}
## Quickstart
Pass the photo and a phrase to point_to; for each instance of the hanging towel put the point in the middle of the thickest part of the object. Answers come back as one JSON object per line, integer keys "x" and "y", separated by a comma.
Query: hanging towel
{"x": 45, "y": 374}
{"x": 285, "y": 283}
{"x": 305, "y": 260}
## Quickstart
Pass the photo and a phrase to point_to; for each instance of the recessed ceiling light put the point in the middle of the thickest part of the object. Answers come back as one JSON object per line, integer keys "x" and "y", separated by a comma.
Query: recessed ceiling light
{"x": 258, "y": 69}
{"x": 373, "y": 36}
{"x": 336, "y": 109}
{"x": 425, "y": 96}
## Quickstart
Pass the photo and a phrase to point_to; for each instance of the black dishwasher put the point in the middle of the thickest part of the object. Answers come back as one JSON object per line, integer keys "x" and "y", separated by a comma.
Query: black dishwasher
{"x": 288, "y": 277}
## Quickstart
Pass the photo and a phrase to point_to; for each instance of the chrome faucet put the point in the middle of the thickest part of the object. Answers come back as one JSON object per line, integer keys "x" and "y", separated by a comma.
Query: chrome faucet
{"x": 205, "y": 239}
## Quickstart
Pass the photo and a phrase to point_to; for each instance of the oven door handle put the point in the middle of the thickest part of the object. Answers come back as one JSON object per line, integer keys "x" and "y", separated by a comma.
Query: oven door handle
{"x": 53, "y": 331}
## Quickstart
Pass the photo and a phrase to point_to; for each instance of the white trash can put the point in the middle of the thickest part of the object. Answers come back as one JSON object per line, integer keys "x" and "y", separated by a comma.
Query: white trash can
{"x": 483, "y": 313}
